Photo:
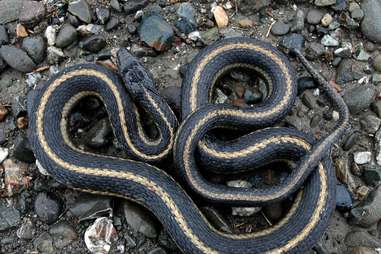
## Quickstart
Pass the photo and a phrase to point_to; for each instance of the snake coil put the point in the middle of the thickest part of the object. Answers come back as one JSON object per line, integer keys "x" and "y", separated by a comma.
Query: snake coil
{"x": 159, "y": 192}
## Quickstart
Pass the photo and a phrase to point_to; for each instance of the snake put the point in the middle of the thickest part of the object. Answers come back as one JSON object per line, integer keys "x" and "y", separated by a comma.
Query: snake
{"x": 310, "y": 185}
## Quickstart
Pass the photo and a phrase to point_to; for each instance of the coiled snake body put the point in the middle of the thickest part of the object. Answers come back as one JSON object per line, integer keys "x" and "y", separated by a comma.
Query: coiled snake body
{"x": 159, "y": 192}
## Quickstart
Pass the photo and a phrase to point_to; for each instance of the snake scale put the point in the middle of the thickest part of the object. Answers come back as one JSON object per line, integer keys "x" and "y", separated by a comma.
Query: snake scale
{"x": 312, "y": 181}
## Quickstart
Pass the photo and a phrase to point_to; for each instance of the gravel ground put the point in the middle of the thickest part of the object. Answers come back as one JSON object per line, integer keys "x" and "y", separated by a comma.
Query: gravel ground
{"x": 342, "y": 38}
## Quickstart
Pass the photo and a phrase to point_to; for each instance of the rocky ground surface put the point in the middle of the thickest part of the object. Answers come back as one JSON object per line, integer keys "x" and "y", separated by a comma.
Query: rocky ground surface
{"x": 38, "y": 38}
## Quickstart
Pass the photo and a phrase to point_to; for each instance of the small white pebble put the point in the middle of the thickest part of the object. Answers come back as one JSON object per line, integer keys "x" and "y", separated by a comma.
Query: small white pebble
{"x": 335, "y": 115}
{"x": 3, "y": 154}
{"x": 362, "y": 157}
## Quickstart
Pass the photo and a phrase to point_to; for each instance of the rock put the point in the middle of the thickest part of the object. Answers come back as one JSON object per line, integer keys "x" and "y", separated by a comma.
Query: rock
{"x": 209, "y": 36}
{"x": 9, "y": 217}
{"x": 356, "y": 12}
{"x": 90, "y": 29}
{"x": 376, "y": 107}
{"x": 351, "y": 140}
{"x": 185, "y": 26}
{"x": 293, "y": 40}
{"x": 23, "y": 151}
{"x": 14, "y": 179}
{"x": 103, "y": 15}
{"x": 326, "y": 20}
{"x": 115, "y": 5}
{"x": 343, "y": 198}
{"x": 100, "y": 235}
{"x": 345, "y": 51}
{"x": 157, "y": 251}
{"x": 55, "y": 55}
{"x": 305, "y": 83}
{"x": 112, "y": 23}
{"x": 362, "y": 238}
{"x": 31, "y": 12}
{"x": 372, "y": 175}
{"x": 314, "y": 16}
{"x": 3, "y": 154}
{"x": 87, "y": 207}
{"x": 156, "y": 32}
{"x": 35, "y": 47}
{"x": 47, "y": 207}
{"x": 220, "y": 16}
{"x": 362, "y": 55}
{"x": 314, "y": 50}
{"x": 368, "y": 211}
{"x": 249, "y": 7}
{"x": 26, "y": 230}
{"x": 131, "y": 28}
{"x": 252, "y": 97}
{"x": 98, "y": 135}
{"x": 66, "y": 36}
{"x": 140, "y": 220}
{"x": 363, "y": 250}
{"x": 94, "y": 43}
{"x": 172, "y": 95}
{"x": 377, "y": 63}
{"x": 329, "y": 41}
{"x": 21, "y": 31}
{"x": 3, "y": 36}
{"x": 133, "y": 6}
{"x": 245, "y": 22}
{"x": 280, "y": 28}
{"x": 44, "y": 243}
{"x": 359, "y": 98}
{"x": 80, "y": 9}
{"x": 349, "y": 70}
{"x": 370, "y": 123}
{"x": 187, "y": 12}
{"x": 63, "y": 234}
{"x": 17, "y": 58}
{"x": 325, "y": 2}
{"x": 371, "y": 24}
{"x": 10, "y": 10}
{"x": 50, "y": 35}
{"x": 298, "y": 23}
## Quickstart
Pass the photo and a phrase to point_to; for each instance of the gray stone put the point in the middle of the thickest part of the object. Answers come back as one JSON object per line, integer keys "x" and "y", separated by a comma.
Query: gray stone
{"x": 370, "y": 123}
{"x": 17, "y": 58}
{"x": 314, "y": 16}
{"x": 357, "y": 13}
{"x": 3, "y": 36}
{"x": 87, "y": 207}
{"x": 362, "y": 238}
{"x": 35, "y": 47}
{"x": 26, "y": 230}
{"x": 115, "y": 5}
{"x": 112, "y": 23}
{"x": 63, "y": 234}
{"x": 133, "y": 6}
{"x": 371, "y": 24}
{"x": 377, "y": 63}
{"x": 94, "y": 43}
{"x": 66, "y": 36}
{"x": 80, "y": 9}
{"x": 359, "y": 98}
{"x": 348, "y": 70}
{"x": 293, "y": 40}
{"x": 325, "y": 2}
{"x": 314, "y": 50}
{"x": 31, "y": 12}
{"x": 9, "y": 217}
{"x": 343, "y": 198}
{"x": 47, "y": 207}
{"x": 23, "y": 151}
{"x": 156, "y": 32}
{"x": 187, "y": 12}
{"x": 44, "y": 243}
{"x": 280, "y": 28}
{"x": 103, "y": 15}
{"x": 9, "y": 10}
{"x": 329, "y": 41}
{"x": 298, "y": 23}
{"x": 341, "y": 5}
{"x": 140, "y": 220}
{"x": 249, "y": 7}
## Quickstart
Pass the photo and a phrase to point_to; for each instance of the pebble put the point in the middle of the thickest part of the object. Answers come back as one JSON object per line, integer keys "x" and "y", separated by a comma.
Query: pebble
{"x": 187, "y": 12}
{"x": 372, "y": 175}
{"x": 50, "y": 35}
{"x": 100, "y": 235}
{"x": 31, "y": 12}
{"x": 21, "y": 31}
{"x": 314, "y": 50}
{"x": 14, "y": 179}
{"x": 156, "y": 32}
{"x": 314, "y": 16}
{"x": 133, "y": 6}
{"x": 44, "y": 243}
{"x": 54, "y": 55}
{"x": 220, "y": 16}
{"x": 89, "y": 29}
{"x": 66, "y": 36}
{"x": 362, "y": 238}
{"x": 81, "y": 9}
{"x": 3, "y": 154}
{"x": 17, "y": 58}
{"x": 112, "y": 23}
{"x": 245, "y": 22}
{"x": 9, "y": 217}
{"x": 298, "y": 22}
{"x": 185, "y": 26}
{"x": 140, "y": 220}
{"x": 362, "y": 157}
{"x": 103, "y": 15}
{"x": 359, "y": 98}
{"x": 172, "y": 95}
{"x": 3, "y": 35}
{"x": 326, "y": 20}
{"x": 371, "y": 24}
{"x": 280, "y": 28}
{"x": 329, "y": 41}
{"x": 26, "y": 230}
{"x": 63, "y": 234}
{"x": 115, "y": 5}
{"x": 10, "y": 10}
{"x": 368, "y": 211}
{"x": 3, "y": 113}
{"x": 210, "y": 35}
{"x": 370, "y": 123}
{"x": 343, "y": 199}
{"x": 344, "y": 51}
{"x": 325, "y": 2}
{"x": 377, "y": 63}
{"x": 22, "y": 149}
{"x": 35, "y": 47}
{"x": 87, "y": 207}
{"x": 292, "y": 40}
{"x": 350, "y": 140}
{"x": 357, "y": 13}
{"x": 47, "y": 207}
{"x": 94, "y": 43}
{"x": 362, "y": 55}
{"x": 349, "y": 70}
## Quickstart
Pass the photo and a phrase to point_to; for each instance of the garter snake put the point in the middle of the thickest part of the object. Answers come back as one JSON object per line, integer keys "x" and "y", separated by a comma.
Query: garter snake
{"x": 152, "y": 187}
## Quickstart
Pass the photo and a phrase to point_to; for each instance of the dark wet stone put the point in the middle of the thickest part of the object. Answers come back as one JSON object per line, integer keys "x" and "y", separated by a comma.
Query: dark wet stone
{"x": 81, "y": 9}
{"x": 293, "y": 40}
{"x": 359, "y": 98}
{"x": 314, "y": 16}
{"x": 348, "y": 70}
{"x": 87, "y": 207}
{"x": 35, "y": 47}
{"x": 371, "y": 24}
{"x": 280, "y": 28}
{"x": 17, "y": 58}
{"x": 3, "y": 35}
{"x": 343, "y": 198}
{"x": 23, "y": 151}
{"x": 351, "y": 140}
{"x": 44, "y": 243}
{"x": 314, "y": 50}
{"x": 309, "y": 99}
{"x": 112, "y": 23}
{"x": 66, "y": 36}
{"x": 305, "y": 83}
{"x": 9, "y": 10}
{"x": 372, "y": 175}
{"x": 156, "y": 32}
{"x": 47, "y": 207}
{"x": 9, "y": 217}
{"x": 94, "y": 43}
{"x": 73, "y": 20}
{"x": 134, "y": 5}
{"x": 103, "y": 15}
{"x": 63, "y": 234}
{"x": 252, "y": 97}
{"x": 31, "y": 12}
{"x": 185, "y": 26}
{"x": 252, "y": 7}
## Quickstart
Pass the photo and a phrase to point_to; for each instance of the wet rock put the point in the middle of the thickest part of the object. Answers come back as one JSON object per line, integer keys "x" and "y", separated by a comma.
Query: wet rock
{"x": 325, "y": 2}
{"x": 140, "y": 220}
{"x": 156, "y": 32}
{"x": 314, "y": 16}
{"x": 372, "y": 175}
{"x": 351, "y": 140}
{"x": 359, "y": 98}
{"x": 35, "y": 47}
{"x": 3, "y": 35}
{"x": 345, "y": 51}
{"x": 314, "y": 50}
{"x": 44, "y": 243}
{"x": 10, "y": 10}
{"x": 329, "y": 41}
{"x": 103, "y": 15}
{"x": 94, "y": 43}
{"x": 17, "y": 58}
{"x": 47, "y": 207}
{"x": 26, "y": 230}
{"x": 293, "y": 40}
{"x": 66, "y": 36}
{"x": 362, "y": 157}
{"x": 371, "y": 24}
{"x": 80, "y": 9}
{"x": 116, "y": 5}
{"x": 9, "y": 217}
{"x": 21, "y": 31}
{"x": 23, "y": 151}
{"x": 100, "y": 235}
{"x": 298, "y": 23}
{"x": 112, "y": 23}
{"x": 134, "y": 5}
{"x": 87, "y": 207}
{"x": 362, "y": 238}
{"x": 368, "y": 211}
{"x": 31, "y": 12}
{"x": 220, "y": 16}
{"x": 54, "y": 55}
{"x": 187, "y": 12}
{"x": 89, "y": 29}
{"x": 356, "y": 12}
{"x": 185, "y": 26}
{"x": 309, "y": 99}
{"x": 63, "y": 234}
{"x": 343, "y": 198}
{"x": 349, "y": 70}
{"x": 280, "y": 28}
